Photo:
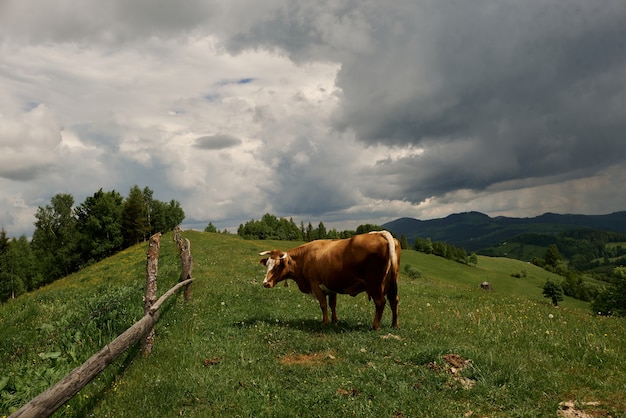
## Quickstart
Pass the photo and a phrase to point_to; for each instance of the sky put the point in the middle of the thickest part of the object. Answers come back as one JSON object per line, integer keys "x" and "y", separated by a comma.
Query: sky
{"x": 341, "y": 111}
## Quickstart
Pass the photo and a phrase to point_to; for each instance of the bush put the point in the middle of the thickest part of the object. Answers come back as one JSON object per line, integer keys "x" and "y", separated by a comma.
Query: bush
{"x": 413, "y": 273}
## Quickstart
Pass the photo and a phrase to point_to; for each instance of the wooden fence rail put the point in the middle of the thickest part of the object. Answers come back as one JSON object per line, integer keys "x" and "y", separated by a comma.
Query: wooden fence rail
{"x": 53, "y": 398}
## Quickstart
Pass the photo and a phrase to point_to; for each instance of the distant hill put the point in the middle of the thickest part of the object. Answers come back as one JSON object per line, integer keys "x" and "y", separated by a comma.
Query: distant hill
{"x": 475, "y": 230}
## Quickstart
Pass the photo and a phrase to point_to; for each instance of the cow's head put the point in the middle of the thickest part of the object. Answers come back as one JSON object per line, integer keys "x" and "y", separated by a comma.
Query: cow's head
{"x": 277, "y": 267}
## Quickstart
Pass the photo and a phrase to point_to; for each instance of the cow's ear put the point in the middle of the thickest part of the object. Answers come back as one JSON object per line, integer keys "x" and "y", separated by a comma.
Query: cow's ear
{"x": 263, "y": 261}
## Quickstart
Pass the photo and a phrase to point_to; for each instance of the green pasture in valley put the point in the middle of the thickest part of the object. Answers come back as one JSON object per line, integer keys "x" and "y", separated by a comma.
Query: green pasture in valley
{"x": 240, "y": 350}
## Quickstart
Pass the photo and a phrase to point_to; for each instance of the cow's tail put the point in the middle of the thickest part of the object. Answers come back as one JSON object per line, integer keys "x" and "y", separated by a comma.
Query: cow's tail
{"x": 392, "y": 261}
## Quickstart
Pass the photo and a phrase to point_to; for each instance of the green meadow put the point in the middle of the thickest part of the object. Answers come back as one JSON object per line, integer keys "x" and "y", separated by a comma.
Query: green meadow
{"x": 240, "y": 350}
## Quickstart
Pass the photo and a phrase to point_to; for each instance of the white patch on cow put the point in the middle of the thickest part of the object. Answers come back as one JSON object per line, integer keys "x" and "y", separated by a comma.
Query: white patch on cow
{"x": 393, "y": 257}
{"x": 270, "y": 263}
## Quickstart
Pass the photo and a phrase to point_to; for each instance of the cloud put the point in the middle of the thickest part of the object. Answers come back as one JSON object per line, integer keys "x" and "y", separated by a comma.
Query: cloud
{"x": 508, "y": 88}
{"x": 345, "y": 111}
{"x": 29, "y": 146}
{"x": 216, "y": 142}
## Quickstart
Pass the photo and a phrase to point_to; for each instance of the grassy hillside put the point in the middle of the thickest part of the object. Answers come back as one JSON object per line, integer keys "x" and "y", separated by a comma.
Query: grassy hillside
{"x": 238, "y": 349}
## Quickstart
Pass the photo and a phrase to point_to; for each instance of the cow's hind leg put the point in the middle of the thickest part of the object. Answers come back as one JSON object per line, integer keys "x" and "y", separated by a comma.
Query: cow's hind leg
{"x": 392, "y": 297}
{"x": 332, "y": 301}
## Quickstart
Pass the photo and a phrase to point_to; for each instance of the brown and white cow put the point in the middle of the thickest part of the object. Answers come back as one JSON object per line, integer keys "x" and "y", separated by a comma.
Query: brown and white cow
{"x": 364, "y": 263}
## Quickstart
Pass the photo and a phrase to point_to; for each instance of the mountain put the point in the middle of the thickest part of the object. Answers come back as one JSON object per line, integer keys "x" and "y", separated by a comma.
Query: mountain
{"x": 475, "y": 230}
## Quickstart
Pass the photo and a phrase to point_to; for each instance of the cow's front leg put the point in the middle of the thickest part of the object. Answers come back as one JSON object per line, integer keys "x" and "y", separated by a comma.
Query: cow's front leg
{"x": 332, "y": 301}
{"x": 321, "y": 297}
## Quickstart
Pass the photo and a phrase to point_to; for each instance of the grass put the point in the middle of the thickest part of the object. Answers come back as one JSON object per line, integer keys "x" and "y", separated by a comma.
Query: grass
{"x": 238, "y": 349}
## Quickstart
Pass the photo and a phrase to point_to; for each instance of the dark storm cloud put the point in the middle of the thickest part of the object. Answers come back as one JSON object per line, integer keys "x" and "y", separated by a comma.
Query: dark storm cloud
{"x": 494, "y": 91}
{"x": 311, "y": 180}
{"x": 216, "y": 142}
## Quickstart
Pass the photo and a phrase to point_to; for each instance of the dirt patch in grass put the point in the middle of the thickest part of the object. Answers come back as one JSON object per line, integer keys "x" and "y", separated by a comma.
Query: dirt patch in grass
{"x": 308, "y": 359}
{"x": 454, "y": 365}
{"x": 570, "y": 409}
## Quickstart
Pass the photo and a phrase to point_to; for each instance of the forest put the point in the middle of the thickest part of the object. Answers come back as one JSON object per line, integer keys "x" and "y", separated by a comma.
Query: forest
{"x": 68, "y": 237}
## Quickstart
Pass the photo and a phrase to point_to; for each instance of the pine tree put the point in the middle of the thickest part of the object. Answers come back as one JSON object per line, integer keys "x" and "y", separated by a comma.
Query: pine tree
{"x": 553, "y": 256}
{"x": 135, "y": 226}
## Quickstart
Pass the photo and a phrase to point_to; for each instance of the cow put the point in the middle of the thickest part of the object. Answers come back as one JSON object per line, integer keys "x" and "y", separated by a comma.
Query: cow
{"x": 364, "y": 263}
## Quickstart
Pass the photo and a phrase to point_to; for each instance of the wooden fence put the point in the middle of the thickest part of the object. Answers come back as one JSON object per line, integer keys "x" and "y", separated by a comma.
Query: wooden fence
{"x": 52, "y": 399}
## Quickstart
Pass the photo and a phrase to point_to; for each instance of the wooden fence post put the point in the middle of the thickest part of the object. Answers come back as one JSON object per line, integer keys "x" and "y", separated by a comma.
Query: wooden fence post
{"x": 152, "y": 267}
{"x": 187, "y": 262}
{"x": 177, "y": 238}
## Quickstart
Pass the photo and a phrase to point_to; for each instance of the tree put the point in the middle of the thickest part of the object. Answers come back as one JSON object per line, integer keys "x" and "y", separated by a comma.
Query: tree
{"x": 150, "y": 209}
{"x": 135, "y": 225}
{"x": 4, "y": 242}
{"x": 613, "y": 299}
{"x": 56, "y": 237}
{"x": 100, "y": 225}
{"x": 165, "y": 216}
{"x": 553, "y": 291}
{"x": 11, "y": 284}
{"x": 423, "y": 245}
{"x": 473, "y": 259}
{"x": 18, "y": 270}
{"x": 321, "y": 231}
{"x": 23, "y": 262}
{"x": 366, "y": 228}
{"x": 404, "y": 242}
{"x": 210, "y": 228}
{"x": 553, "y": 256}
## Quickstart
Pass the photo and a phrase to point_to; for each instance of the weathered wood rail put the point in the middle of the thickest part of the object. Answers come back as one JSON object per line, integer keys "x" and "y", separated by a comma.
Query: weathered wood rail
{"x": 53, "y": 398}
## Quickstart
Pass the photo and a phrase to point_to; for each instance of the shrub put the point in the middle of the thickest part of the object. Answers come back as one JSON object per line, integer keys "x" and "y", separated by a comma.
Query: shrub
{"x": 413, "y": 273}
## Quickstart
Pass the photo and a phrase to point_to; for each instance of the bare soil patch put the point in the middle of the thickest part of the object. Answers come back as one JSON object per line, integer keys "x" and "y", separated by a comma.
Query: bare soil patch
{"x": 570, "y": 409}
{"x": 454, "y": 365}
{"x": 308, "y": 359}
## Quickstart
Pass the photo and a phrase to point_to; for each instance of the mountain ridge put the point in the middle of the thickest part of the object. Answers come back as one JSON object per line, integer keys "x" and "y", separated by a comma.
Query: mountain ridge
{"x": 476, "y": 230}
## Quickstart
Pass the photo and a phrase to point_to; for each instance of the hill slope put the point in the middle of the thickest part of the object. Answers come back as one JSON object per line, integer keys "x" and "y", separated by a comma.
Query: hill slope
{"x": 238, "y": 349}
{"x": 475, "y": 230}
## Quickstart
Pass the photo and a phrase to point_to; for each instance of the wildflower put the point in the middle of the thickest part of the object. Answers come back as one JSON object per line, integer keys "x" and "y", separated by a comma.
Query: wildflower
{"x": 550, "y": 316}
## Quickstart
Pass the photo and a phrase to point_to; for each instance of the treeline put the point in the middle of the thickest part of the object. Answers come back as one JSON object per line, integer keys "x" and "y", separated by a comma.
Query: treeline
{"x": 67, "y": 237}
{"x": 573, "y": 284}
{"x": 586, "y": 249}
{"x": 269, "y": 227}
{"x": 612, "y": 300}
{"x": 445, "y": 250}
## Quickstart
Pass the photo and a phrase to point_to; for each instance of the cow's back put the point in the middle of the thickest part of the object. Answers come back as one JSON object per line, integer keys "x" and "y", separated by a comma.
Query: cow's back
{"x": 339, "y": 264}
